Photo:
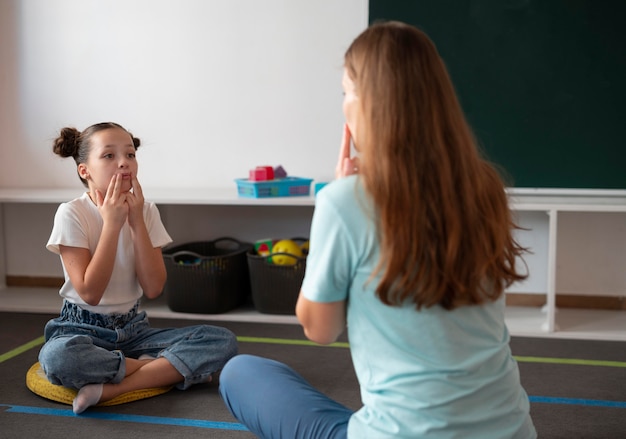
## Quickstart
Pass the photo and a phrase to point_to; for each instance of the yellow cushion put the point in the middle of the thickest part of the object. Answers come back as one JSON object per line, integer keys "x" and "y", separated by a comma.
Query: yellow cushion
{"x": 37, "y": 382}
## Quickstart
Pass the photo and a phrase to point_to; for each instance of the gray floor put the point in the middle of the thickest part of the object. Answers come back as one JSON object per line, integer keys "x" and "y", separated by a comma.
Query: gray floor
{"x": 577, "y": 387}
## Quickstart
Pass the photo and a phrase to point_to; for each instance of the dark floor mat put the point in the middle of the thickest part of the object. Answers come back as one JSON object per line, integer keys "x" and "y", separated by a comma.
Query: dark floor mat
{"x": 570, "y": 389}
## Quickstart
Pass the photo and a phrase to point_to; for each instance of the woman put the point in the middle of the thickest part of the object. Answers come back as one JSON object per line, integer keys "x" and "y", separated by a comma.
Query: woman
{"x": 412, "y": 254}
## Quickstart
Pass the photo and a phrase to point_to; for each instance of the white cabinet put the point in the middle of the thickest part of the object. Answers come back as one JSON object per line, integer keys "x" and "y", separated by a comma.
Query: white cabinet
{"x": 562, "y": 224}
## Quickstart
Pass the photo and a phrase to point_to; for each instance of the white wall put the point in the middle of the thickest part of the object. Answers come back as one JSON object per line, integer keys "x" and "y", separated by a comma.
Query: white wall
{"x": 591, "y": 253}
{"x": 212, "y": 87}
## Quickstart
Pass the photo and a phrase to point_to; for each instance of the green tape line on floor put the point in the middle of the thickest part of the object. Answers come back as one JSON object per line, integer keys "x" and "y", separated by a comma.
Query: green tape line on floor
{"x": 576, "y": 361}
{"x": 20, "y": 349}
{"x": 521, "y": 359}
{"x": 290, "y": 341}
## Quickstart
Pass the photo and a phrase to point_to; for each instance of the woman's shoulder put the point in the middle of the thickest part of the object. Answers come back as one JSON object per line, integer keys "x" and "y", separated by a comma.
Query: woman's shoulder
{"x": 345, "y": 193}
{"x": 347, "y": 199}
{"x": 340, "y": 188}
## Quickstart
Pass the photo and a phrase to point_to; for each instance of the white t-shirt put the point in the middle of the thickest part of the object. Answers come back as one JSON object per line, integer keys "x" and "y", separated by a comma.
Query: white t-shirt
{"x": 429, "y": 373}
{"x": 78, "y": 223}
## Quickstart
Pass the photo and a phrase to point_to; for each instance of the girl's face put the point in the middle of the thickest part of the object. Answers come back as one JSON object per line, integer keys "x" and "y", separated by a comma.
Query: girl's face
{"x": 350, "y": 105}
{"x": 112, "y": 152}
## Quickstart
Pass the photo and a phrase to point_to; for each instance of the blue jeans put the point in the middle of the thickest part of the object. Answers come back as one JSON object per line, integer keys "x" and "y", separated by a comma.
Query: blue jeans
{"x": 83, "y": 347}
{"x": 274, "y": 401}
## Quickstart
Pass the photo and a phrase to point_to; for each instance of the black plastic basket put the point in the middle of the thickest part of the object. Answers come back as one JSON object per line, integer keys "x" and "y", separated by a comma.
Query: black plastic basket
{"x": 275, "y": 288}
{"x": 209, "y": 277}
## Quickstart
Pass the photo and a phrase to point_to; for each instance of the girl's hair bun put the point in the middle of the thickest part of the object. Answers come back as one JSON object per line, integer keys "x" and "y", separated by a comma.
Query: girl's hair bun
{"x": 66, "y": 145}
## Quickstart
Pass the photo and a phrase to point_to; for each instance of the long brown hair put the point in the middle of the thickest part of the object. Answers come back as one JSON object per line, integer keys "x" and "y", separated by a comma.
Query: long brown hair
{"x": 444, "y": 223}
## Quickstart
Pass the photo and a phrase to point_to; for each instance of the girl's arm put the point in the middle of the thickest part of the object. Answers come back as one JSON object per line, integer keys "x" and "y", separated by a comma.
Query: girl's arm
{"x": 322, "y": 322}
{"x": 149, "y": 263}
{"x": 89, "y": 274}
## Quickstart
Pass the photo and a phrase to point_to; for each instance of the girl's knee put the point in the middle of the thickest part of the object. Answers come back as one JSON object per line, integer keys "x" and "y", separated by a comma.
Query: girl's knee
{"x": 227, "y": 335}
{"x": 58, "y": 351}
{"x": 220, "y": 339}
{"x": 233, "y": 344}
{"x": 229, "y": 345}
{"x": 59, "y": 355}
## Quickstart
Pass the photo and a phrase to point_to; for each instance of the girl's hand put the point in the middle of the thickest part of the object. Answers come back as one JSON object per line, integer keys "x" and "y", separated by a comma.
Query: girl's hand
{"x": 135, "y": 202}
{"x": 113, "y": 206}
{"x": 346, "y": 165}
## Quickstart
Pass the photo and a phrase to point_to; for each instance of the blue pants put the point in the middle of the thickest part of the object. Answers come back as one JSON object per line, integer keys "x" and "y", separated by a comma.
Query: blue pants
{"x": 88, "y": 348}
{"x": 274, "y": 401}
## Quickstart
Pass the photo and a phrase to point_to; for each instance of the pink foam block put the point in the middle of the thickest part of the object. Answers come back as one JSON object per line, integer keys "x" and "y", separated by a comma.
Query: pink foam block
{"x": 261, "y": 173}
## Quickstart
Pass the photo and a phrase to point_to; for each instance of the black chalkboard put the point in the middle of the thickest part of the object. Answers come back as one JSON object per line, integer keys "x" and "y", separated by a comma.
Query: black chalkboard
{"x": 542, "y": 82}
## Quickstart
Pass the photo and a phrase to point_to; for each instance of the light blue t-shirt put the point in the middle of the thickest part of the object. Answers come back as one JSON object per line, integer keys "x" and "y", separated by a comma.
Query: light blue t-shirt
{"x": 430, "y": 373}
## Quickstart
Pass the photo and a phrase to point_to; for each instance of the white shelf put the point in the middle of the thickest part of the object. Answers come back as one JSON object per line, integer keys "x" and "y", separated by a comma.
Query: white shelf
{"x": 547, "y": 322}
{"x": 521, "y": 321}
{"x": 568, "y": 200}
{"x": 48, "y": 301}
{"x": 195, "y": 196}
{"x": 574, "y": 201}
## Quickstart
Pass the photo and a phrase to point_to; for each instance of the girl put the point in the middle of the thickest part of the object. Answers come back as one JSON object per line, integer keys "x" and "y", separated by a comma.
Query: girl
{"x": 110, "y": 243}
{"x": 413, "y": 254}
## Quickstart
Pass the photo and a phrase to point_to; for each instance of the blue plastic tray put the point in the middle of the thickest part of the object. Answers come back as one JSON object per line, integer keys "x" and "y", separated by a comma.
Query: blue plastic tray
{"x": 279, "y": 187}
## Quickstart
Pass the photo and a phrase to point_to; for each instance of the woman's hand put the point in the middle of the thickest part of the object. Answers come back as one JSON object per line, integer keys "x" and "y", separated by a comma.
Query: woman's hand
{"x": 346, "y": 165}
